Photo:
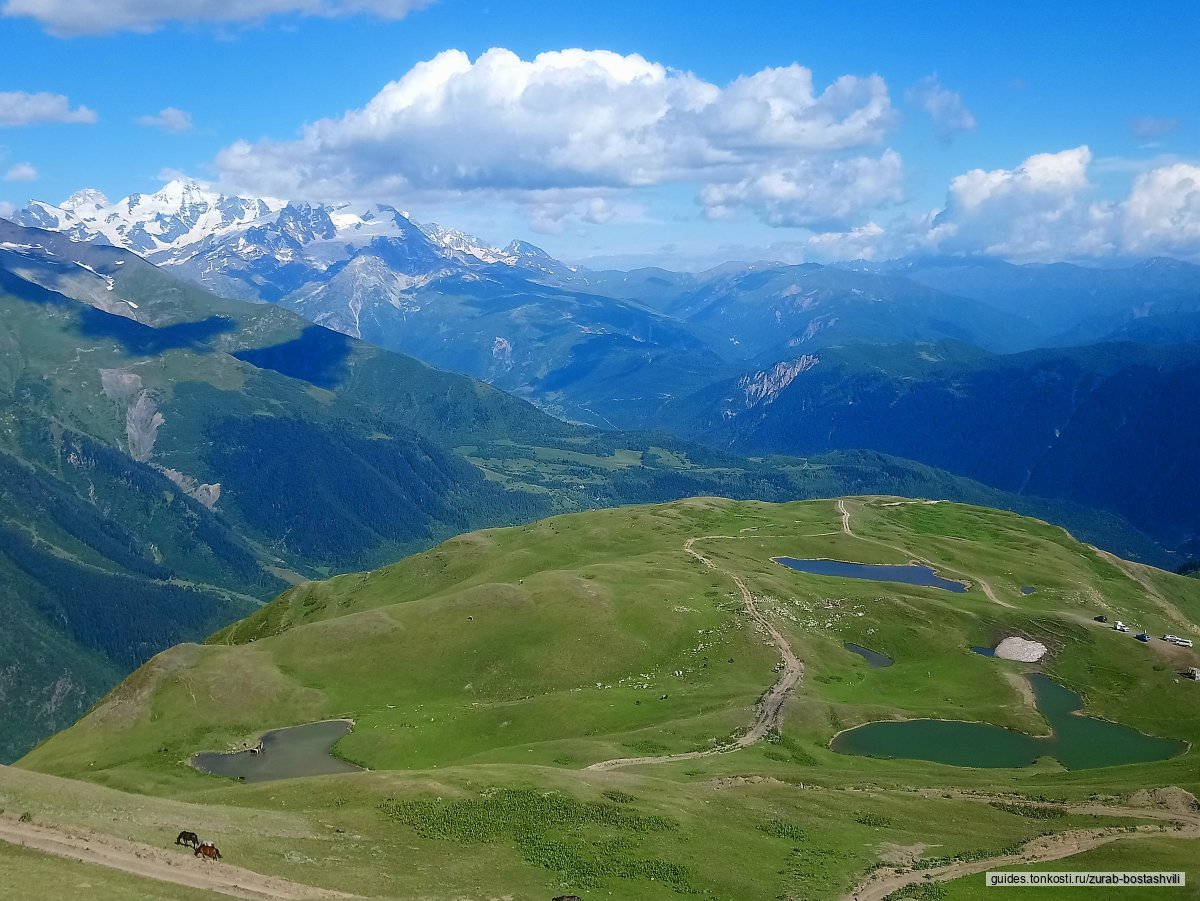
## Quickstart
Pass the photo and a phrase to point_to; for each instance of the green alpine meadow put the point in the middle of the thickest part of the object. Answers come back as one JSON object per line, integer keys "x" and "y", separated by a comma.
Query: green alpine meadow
{"x": 583, "y": 705}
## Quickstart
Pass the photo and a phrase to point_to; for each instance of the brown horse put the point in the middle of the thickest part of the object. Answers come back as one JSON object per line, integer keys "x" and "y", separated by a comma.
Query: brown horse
{"x": 191, "y": 839}
{"x": 209, "y": 850}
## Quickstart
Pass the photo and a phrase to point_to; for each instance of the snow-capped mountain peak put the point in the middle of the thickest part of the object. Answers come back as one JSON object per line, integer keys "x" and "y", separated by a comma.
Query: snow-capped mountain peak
{"x": 181, "y": 213}
{"x": 257, "y": 248}
{"x": 461, "y": 245}
{"x": 89, "y": 199}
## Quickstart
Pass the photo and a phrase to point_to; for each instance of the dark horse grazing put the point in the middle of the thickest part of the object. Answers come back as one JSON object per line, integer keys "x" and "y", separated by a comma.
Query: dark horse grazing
{"x": 209, "y": 850}
{"x": 191, "y": 839}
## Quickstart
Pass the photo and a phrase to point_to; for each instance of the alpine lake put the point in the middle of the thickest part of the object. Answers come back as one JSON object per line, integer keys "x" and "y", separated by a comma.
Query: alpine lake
{"x": 284, "y": 754}
{"x": 1076, "y": 742}
{"x": 911, "y": 574}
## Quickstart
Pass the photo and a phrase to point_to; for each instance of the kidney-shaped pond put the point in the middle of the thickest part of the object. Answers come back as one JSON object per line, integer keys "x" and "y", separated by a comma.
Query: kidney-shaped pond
{"x": 285, "y": 754}
{"x": 877, "y": 572}
{"x": 1077, "y": 742}
{"x": 874, "y": 659}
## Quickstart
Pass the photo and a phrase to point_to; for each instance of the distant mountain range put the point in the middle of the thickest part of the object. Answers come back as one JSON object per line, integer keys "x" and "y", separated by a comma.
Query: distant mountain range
{"x": 728, "y": 356}
{"x": 169, "y": 459}
{"x": 528, "y": 323}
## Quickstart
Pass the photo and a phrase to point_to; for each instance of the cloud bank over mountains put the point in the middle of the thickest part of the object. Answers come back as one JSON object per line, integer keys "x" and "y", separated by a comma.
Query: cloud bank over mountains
{"x": 575, "y": 135}
{"x": 576, "y": 140}
{"x": 574, "y": 123}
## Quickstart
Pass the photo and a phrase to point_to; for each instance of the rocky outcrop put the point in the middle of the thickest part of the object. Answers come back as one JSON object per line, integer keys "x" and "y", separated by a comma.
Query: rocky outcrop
{"x": 205, "y": 494}
{"x": 765, "y": 386}
{"x": 142, "y": 419}
{"x": 142, "y": 422}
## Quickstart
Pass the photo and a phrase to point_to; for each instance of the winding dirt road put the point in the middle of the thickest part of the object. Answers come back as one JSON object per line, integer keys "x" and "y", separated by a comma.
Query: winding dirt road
{"x": 174, "y": 865}
{"x": 883, "y": 882}
{"x": 770, "y": 708}
{"x": 845, "y": 518}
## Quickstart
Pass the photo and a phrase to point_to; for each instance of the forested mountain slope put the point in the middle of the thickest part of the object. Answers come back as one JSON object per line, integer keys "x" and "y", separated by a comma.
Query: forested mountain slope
{"x": 1113, "y": 427}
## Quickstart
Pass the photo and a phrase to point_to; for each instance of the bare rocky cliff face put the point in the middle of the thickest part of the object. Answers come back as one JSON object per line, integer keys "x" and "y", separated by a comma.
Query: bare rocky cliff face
{"x": 142, "y": 422}
{"x": 207, "y": 495}
{"x": 765, "y": 386}
{"x": 142, "y": 418}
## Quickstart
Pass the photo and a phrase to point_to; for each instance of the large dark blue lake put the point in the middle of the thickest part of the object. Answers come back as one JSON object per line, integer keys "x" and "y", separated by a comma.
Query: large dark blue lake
{"x": 876, "y": 572}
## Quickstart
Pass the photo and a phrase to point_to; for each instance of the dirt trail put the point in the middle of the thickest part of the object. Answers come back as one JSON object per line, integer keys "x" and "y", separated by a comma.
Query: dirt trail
{"x": 984, "y": 586}
{"x": 845, "y": 518}
{"x": 987, "y": 589}
{"x": 770, "y": 708}
{"x": 174, "y": 865}
{"x": 883, "y": 882}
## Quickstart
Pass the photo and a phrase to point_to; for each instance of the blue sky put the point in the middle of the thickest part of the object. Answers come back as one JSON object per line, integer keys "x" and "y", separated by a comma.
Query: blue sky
{"x": 1084, "y": 119}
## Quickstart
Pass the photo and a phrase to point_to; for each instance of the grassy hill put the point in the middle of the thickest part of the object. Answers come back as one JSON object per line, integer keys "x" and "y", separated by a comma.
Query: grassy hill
{"x": 486, "y": 675}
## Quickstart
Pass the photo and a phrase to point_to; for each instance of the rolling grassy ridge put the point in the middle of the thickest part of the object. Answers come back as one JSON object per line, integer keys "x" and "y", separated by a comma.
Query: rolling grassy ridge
{"x": 485, "y": 674}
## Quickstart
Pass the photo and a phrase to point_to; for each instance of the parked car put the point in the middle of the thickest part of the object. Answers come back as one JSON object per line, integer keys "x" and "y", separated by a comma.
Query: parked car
{"x": 1101, "y": 618}
{"x": 1120, "y": 626}
{"x": 1143, "y": 636}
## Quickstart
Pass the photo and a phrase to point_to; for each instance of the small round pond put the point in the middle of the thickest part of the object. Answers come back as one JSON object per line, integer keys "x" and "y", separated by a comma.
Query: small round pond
{"x": 874, "y": 659}
{"x": 876, "y": 572}
{"x": 284, "y": 754}
{"x": 1077, "y": 742}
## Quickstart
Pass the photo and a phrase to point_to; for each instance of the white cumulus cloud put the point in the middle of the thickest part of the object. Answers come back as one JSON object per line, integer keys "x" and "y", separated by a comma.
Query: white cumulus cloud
{"x": 1162, "y": 213}
{"x": 68, "y": 18}
{"x": 1038, "y": 210}
{"x": 945, "y": 108}
{"x": 22, "y": 108}
{"x": 863, "y": 242}
{"x": 169, "y": 119}
{"x": 811, "y": 193}
{"x": 1044, "y": 209}
{"x": 582, "y": 121}
{"x": 21, "y": 172}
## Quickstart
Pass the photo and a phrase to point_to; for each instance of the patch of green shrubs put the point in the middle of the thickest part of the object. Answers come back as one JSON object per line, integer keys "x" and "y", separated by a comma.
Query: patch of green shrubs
{"x": 571, "y": 838}
{"x": 1030, "y": 811}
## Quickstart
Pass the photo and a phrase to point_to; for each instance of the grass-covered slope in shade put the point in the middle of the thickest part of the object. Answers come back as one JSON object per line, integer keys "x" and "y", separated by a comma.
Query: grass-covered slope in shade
{"x": 485, "y": 675}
